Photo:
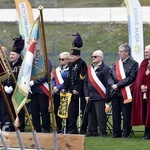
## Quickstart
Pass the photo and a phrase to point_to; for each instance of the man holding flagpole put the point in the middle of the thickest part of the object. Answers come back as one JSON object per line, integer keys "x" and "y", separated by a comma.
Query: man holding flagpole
{"x": 9, "y": 84}
{"x": 121, "y": 78}
{"x": 40, "y": 105}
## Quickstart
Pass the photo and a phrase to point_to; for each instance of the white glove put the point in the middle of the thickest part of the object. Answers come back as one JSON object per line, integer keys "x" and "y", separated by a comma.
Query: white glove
{"x": 31, "y": 83}
{"x": 8, "y": 90}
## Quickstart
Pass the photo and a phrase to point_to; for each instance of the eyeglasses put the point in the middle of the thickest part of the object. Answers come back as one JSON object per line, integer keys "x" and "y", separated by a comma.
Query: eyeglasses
{"x": 120, "y": 51}
{"x": 62, "y": 59}
{"x": 94, "y": 56}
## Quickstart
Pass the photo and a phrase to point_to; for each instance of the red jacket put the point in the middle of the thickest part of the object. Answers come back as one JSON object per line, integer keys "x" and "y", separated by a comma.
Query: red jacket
{"x": 140, "y": 107}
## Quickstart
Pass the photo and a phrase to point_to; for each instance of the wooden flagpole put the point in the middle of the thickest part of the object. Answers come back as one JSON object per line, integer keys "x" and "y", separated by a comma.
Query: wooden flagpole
{"x": 7, "y": 103}
{"x": 49, "y": 78}
{"x": 24, "y": 107}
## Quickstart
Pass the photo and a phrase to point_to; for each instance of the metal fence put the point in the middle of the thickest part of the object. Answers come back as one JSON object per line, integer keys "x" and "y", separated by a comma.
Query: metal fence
{"x": 110, "y": 53}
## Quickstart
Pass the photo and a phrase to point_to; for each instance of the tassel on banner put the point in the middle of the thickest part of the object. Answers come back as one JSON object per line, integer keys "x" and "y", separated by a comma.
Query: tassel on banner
{"x": 17, "y": 122}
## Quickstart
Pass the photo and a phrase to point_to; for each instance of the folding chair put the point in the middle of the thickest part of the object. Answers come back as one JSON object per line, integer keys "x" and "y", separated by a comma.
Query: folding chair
{"x": 109, "y": 119}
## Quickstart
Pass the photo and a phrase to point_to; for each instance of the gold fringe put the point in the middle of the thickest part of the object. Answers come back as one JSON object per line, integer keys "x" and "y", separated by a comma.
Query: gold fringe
{"x": 127, "y": 101}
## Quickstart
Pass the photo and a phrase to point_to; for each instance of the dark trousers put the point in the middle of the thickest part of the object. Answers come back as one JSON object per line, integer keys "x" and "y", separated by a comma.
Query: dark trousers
{"x": 5, "y": 117}
{"x": 39, "y": 109}
{"x": 84, "y": 113}
{"x": 117, "y": 108}
{"x": 56, "y": 106}
{"x": 22, "y": 120}
{"x": 73, "y": 114}
{"x": 97, "y": 117}
{"x": 6, "y": 122}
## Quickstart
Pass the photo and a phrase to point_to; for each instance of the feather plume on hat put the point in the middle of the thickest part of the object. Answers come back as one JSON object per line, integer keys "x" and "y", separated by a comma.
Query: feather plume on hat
{"x": 77, "y": 42}
{"x": 18, "y": 45}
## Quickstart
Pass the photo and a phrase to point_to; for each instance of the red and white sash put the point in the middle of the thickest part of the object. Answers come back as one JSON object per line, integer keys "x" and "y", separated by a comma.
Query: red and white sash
{"x": 45, "y": 88}
{"x": 57, "y": 76}
{"x": 58, "y": 79}
{"x": 97, "y": 84}
{"x": 120, "y": 74}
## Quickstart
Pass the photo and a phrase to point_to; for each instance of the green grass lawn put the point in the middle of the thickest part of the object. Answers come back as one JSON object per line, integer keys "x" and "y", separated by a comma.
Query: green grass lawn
{"x": 134, "y": 143}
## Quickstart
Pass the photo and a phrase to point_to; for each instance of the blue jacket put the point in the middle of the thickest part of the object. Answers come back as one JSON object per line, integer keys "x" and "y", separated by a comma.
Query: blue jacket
{"x": 64, "y": 75}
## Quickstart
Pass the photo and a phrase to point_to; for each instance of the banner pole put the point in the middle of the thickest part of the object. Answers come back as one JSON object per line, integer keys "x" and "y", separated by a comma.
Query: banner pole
{"x": 7, "y": 104}
{"x": 3, "y": 140}
{"x": 40, "y": 8}
{"x": 25, "y": 109}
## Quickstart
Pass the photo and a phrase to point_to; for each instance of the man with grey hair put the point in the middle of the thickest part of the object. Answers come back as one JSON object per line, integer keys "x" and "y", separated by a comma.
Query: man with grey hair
{"x": 96, "y": 92}
{"x": 121, "y": 78}
{"x": 141, "y": 95}
{"x": 59, "y": 76}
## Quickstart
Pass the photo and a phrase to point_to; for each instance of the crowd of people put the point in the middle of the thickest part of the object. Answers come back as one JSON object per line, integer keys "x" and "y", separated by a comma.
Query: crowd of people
{"x": 125, "y": 86}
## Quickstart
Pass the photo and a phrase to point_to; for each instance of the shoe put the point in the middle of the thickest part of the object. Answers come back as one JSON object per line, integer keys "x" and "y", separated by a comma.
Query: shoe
{"x": 126, "y": 136}
{"x": 89, "y": 134}
{"x": 103, "y": 135}
{"x": 59, "y": 131}
{"x": 83, "y": 132}
{"x": 116, "y": 136}
{"x": 46, "y": 131}
{"x": 144, "y": 135}
{"x": 73, "y": 132}
{"x": 146, "y": 138}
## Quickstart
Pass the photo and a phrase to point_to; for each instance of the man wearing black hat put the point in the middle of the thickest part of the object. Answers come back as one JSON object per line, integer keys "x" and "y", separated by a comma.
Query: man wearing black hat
{"x": 74, "y": 83}
{"x": 9, "y": 84}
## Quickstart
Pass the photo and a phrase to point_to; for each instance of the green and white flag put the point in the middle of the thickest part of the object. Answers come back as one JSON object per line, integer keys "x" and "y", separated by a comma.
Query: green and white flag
{"x": 22, "y": 88}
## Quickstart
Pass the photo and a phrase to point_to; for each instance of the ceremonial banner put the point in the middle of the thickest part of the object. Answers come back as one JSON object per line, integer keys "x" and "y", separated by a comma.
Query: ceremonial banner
{"x": 65, "y": 99}
{"x": 25, "y": 19}
{"x": 22, "y": 87}
{"x": 135, "y": 29}
{"x": 38, "y": 67}
{"x": 4, "y": 70}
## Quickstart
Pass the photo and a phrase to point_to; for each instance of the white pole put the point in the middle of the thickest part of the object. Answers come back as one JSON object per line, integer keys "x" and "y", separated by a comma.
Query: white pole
{"x": 79, "y": 113}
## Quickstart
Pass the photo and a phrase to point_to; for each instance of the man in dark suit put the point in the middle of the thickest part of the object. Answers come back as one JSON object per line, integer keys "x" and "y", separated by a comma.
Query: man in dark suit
{"x": 121, "y": 78}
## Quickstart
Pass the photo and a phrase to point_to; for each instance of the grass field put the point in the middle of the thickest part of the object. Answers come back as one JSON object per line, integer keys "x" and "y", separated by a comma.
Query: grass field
{"x": 104, "y": 36}
{"x": 134, "y": 143}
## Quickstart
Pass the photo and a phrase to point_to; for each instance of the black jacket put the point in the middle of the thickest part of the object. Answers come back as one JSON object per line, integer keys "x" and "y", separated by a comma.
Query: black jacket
{"x": 75, "y": 76}
{"x": 130, "y": 67}
{"x": 102, "y": 73}
{"x": 15, "y": 69}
